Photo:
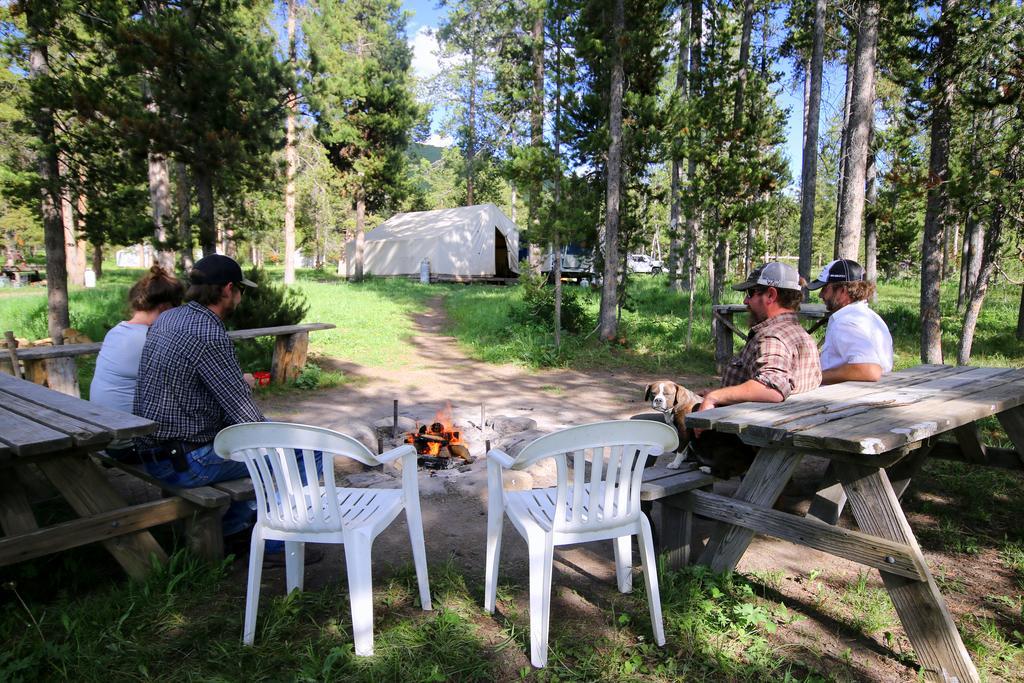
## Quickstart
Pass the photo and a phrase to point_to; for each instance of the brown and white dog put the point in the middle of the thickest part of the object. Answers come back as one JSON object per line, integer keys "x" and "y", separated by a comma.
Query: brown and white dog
{"x": 675, "y": 402}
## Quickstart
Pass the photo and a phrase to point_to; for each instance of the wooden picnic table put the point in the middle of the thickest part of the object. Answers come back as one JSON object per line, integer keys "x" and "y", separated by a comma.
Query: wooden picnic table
{"x": 56, "y": 433}
{"x": 864, "y": 428}
{"x": 725, "y": 327}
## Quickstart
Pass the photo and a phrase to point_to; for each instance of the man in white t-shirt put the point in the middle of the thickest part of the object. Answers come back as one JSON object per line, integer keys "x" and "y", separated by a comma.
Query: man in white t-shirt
{"x": 858, "y": 346}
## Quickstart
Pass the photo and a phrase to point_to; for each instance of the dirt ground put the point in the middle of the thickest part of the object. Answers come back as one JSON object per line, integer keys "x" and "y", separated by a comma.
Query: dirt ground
{"x": 454, "y": 505}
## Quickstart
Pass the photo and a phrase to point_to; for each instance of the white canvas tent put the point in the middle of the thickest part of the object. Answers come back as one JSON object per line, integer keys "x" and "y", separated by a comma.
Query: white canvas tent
{"x": 464, "y": 243}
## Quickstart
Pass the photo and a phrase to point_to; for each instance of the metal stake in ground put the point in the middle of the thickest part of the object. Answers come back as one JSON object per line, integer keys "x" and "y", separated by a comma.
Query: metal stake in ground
{"x": 394, "y": 422}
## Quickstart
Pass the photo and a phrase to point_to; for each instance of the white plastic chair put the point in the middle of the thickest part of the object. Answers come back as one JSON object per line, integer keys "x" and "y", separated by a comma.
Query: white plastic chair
{"x": 295, "y": 513}
{"x": 603, "y": 505}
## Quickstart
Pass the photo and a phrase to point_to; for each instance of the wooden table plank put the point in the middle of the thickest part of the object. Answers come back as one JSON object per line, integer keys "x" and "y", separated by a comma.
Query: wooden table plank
{"x": 889, "y": 428}
{"x": 120, "y": 425}
{"x": 735, "y": 419}
{"x": 25, "y": 436}
{"x": 82, "y": 433}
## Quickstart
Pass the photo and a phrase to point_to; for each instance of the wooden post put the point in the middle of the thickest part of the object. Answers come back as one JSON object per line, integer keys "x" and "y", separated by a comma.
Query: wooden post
{"x": 723, "y": 339}
{"x": 12, "y": 344}
{"x": 394, "y": 421}
{"x": 62, "y": 376}
{"x": 289, "y": 357}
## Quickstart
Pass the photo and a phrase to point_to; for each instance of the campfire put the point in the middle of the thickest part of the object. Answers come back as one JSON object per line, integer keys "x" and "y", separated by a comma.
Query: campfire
{"x": 438, "y": 443}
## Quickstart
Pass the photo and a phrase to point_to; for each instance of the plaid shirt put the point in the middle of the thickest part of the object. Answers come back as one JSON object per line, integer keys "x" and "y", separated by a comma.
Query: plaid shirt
{"x": 190, "y": 382}
{"x": 780, "y": 355}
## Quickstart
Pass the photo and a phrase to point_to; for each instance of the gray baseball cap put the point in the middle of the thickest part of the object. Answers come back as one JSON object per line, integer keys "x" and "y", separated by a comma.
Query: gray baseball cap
{"x": 773, "y": 274}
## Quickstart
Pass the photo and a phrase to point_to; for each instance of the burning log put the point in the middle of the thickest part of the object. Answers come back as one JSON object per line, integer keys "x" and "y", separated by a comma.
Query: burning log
{"x": 438, "y": 443}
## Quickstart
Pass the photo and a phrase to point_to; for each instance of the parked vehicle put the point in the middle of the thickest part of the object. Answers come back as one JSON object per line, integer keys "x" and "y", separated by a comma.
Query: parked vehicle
{"x": 641, "y": 263}
{"x": 577, "y": 262}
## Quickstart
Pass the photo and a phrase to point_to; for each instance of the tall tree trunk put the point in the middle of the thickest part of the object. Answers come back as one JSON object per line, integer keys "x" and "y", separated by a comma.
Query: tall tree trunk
{"x": 471, "y": 141}
{"x": 57, "y": 317}
{"x": 160, "y": 204}
{"x": 556, "y": 246}
{"x": 184, "y": 217}
{"x": 844, "y": 150}
{"x": 693, "y": 219}
{"x": 609, "y": 290}
{"x": 536, "y": 131}
{"x": 360, "y": 237}
{"x": 871, "y": 222}
{"x": 97, "y": 259}
{"x": 207, "y": 219}
{"x": 975, "y": 245}
{"x": 990, "y": 253}
{"x": 937, "y": 206}
{"x": 81, "y": 210}
{"x": 675, "y": 281}
{"x": 290, "y": 157}
{"x": 75, "y": 265}
{"x": 861, "y": 112}
{"x": 809, "y": 167}
{"x": 741, "y": 78}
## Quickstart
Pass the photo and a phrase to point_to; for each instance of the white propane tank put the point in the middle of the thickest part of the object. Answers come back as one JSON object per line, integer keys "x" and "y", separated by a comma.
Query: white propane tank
{"x": 425, "y": 272}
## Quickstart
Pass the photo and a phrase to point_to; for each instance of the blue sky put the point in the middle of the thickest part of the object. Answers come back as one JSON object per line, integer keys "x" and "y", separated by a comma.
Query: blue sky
{"x": 426, "y": 15}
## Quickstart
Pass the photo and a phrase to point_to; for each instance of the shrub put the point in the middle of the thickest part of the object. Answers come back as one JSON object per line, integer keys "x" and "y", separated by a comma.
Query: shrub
{"x": 537, "y": 307}
{"x": 268, "y": 305}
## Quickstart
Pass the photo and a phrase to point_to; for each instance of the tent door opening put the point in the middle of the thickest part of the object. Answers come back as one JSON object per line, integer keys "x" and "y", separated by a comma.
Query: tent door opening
{"x": 501, "y": 268}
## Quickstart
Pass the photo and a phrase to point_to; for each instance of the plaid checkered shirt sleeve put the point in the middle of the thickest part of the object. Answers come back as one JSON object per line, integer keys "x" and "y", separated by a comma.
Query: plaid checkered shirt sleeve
{"x": 780, "y": 355}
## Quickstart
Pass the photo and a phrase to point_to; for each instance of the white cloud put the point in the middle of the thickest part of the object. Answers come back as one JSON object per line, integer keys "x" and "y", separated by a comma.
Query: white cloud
{"x": 438, "y": 140}
{"x": 425, "y": 53}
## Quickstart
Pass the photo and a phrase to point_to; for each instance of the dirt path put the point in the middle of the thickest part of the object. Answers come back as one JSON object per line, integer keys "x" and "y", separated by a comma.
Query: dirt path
{"x": 454, "y": 509}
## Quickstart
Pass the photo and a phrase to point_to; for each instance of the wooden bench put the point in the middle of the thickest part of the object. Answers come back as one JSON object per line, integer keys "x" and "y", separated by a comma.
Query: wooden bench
{"x": 666, "y": 490}
{"x": 206, "y": 506}
{"x": 289, "y": 355}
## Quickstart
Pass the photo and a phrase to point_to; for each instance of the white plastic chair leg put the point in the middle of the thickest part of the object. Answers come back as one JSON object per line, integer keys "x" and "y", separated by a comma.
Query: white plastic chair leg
{"x": 541, "y": 558}
{"x": 650, "y": 566}
{"x": 495, "y": 524}
{"x": 294, "y": 564}
{"x": 624, "y": 563}
{"x": 360, "y": 591}
{"x": 419, "y": 553}
{"x": 252, "y": 591}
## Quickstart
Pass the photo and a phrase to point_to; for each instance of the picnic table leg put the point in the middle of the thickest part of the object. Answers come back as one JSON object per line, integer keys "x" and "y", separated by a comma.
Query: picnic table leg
{"x": 762, "y": 485}
{"x": 83, "y": 485}
{"x": 676, "y": 525}
{"x": 920, "y": 606}
{"x": 15, "y": 511}
{"x": 204, "y": 533}
{"x": 1012, "y": 421}
{"x": 289, "y": 357}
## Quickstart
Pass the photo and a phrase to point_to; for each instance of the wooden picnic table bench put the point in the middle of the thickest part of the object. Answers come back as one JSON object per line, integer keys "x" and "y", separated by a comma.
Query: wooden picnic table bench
{"x": 864, "y": 428}
{"x": 663, "y": 489}
{"x": 725, "y": 328}
{"x": 289, "y": 354}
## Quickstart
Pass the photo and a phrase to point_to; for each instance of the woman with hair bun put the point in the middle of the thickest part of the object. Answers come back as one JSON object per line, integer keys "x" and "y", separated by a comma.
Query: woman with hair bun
{"x": 117, "y": 367}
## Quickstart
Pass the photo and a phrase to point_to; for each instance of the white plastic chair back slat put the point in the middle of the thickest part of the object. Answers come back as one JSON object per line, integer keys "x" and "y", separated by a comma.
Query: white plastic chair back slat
{"x": 294, "y": 512}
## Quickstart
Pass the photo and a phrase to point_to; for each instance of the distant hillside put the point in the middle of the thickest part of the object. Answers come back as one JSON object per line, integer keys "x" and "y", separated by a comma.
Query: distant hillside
{"x": 428, "y": 152}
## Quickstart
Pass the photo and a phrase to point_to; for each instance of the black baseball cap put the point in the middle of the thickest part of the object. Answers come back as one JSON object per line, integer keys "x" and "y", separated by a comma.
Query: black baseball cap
{"x": 840, "y": 270}
{"x": 217, "y": 269}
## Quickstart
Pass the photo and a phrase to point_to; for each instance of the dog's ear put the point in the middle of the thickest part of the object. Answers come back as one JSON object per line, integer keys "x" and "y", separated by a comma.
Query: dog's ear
{"x": 649, "y": 394}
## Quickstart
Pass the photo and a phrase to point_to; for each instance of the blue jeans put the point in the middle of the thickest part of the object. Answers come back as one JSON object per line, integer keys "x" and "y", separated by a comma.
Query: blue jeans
{"x": 206, "y": 467}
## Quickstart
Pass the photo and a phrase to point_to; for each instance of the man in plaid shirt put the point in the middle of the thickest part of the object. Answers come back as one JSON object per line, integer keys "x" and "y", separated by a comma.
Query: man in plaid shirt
{"x": 191, "y": 385}
{"x": 779, "y": 358}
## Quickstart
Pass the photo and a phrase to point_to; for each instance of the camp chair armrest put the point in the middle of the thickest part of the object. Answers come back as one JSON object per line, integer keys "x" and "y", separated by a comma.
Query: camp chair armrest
{"x": 501, "y": 457}
{"x": 396, "y": 453}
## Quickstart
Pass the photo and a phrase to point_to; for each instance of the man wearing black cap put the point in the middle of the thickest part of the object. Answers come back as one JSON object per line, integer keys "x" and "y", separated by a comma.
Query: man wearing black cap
{"x": 779, "y": 358}
{"x": 191, "y": 385}
{"x": 858, "y": 346}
